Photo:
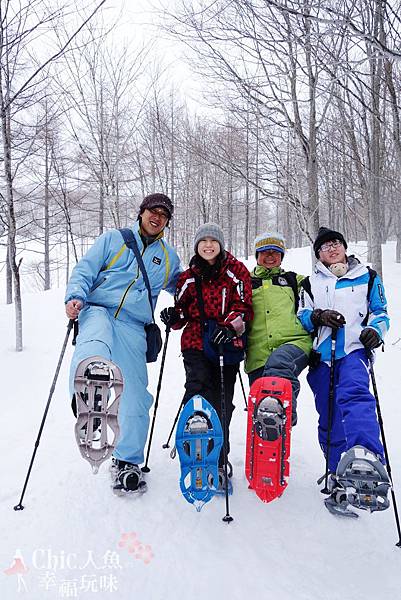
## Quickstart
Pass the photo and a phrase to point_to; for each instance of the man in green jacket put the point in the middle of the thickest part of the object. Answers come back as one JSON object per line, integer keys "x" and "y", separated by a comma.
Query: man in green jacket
{"x": 278, "y": 345}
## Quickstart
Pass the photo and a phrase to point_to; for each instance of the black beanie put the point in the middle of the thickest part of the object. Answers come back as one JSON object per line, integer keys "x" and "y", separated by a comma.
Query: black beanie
{"x": 157, "y": 201}
{"x": 326, "y": 235}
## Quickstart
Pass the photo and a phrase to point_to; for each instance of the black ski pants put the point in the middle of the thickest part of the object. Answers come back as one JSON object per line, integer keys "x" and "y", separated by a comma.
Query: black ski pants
{"x": 203, "y": 377}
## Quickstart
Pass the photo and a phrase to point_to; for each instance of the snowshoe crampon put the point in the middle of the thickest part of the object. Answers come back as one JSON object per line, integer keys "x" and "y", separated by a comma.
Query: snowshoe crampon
{"x": 267, "y": 465}
{"x": 364, "y": 479}
{"x": 98, "y": 385}
{"x": 199, "y": 439}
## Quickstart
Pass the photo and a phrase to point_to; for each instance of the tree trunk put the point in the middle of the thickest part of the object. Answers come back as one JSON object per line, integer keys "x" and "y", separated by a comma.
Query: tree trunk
{"x": 9, "y": 280}
{"x": 46, "y": 208}
{"x": 12, "y": 229}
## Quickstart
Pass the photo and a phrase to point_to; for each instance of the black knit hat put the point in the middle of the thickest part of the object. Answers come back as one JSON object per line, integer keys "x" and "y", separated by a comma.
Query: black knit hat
{"x": 157, "y": 201}
{"x": 326, "y": 235}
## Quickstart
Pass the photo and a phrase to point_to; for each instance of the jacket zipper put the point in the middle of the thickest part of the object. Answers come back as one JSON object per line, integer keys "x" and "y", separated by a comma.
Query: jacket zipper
{"x": 128, "y": 289}
{"x": 99, "y": 284}
{"x": 223, "y": 302}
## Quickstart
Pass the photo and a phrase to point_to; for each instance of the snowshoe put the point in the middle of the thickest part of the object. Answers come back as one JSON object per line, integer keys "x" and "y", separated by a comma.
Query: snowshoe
{"x": 364, "y": 479}
{"x": 98, "y": 387}
{"x": 199, "y": 439}
{"x": 127, "y": 478}
{"x": 268, "y": 444}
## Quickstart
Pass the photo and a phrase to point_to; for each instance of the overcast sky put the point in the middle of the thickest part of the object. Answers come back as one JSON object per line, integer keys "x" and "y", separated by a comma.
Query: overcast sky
{"x": 139, "y": 23}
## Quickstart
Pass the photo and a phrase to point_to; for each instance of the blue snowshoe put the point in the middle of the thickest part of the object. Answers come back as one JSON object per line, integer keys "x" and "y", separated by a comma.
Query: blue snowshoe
{"x": 199, "y": 439}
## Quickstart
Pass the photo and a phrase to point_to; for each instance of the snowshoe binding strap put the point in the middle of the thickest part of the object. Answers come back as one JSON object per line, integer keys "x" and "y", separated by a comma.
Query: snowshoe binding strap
{"x": 269, "y": 419}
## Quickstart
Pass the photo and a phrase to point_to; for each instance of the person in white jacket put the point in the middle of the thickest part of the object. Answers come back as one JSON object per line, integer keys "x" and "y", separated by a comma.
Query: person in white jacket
{"x": 346, "y": 296}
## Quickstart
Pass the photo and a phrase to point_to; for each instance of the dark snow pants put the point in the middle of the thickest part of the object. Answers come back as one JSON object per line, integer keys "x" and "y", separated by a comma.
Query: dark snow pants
{"x": 288, "y": 361}
{"x": 203, "y": 377}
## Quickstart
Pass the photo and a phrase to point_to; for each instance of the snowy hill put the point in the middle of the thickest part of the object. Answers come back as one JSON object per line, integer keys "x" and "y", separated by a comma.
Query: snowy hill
{"x": 75, "y": 539}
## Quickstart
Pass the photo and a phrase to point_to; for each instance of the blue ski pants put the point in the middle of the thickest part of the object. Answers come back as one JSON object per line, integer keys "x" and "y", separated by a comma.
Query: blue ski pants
{"x": 354, "y": 411}
{"x": 124, "y": 343}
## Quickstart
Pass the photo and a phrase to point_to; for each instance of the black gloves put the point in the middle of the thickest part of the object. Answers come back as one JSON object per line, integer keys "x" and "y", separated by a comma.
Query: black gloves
{"x": 169, "y": 316}
{"x": 222, "y": 335}
{"x": 370, "y": 338}
{"x": 328, "y": 318}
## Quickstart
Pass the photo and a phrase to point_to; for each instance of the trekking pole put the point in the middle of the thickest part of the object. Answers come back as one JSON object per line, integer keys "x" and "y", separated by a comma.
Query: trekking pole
{"x": 326, "y": 490}
{"x": 243, "y": 389}
{"x": 167, "y": 444}
{"x": 70, "y": 325}
{"x": 145, "y": 468}
{"x": 227, "y": 518}
{"x": 380, "y": 419}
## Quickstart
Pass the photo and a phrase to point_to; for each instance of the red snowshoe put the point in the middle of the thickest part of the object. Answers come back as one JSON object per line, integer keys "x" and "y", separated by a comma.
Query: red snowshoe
{"x": 267, "y": 466}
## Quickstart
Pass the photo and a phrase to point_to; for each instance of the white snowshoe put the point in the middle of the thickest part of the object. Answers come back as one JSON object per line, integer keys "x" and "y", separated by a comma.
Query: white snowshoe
{"x": 98, "y": 385}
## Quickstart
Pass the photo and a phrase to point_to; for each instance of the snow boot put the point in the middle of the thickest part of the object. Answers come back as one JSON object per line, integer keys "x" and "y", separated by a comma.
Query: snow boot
{"x": 127, "y": 477}
{"x": 221, "y": 487}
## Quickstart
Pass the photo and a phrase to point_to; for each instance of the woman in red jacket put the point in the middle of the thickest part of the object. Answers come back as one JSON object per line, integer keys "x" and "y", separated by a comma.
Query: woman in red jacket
{"x": 218, "y": 286}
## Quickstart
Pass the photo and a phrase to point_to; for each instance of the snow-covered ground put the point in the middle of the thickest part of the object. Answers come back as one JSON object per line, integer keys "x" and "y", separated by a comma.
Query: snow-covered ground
{"x": 75, "y": 539}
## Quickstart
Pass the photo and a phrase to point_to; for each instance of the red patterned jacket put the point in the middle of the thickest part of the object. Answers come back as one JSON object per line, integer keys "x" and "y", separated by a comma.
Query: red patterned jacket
{"x": 227, "y": 297}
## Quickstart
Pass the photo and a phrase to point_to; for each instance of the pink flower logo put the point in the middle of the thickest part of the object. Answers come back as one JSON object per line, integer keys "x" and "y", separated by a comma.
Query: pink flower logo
{"x": 134, "y": 546}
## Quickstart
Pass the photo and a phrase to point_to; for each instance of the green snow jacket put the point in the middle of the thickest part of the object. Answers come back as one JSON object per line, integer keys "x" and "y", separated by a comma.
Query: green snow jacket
{"x": 275, "y": 321}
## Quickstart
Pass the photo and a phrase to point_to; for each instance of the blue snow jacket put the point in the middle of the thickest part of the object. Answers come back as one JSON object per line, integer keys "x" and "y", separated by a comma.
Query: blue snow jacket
{"x": 108, "y": 275}
{"x": 348, "y": 295}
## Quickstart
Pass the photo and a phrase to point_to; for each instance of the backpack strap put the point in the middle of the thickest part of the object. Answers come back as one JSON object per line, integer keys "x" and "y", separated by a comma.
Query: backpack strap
{"x": 372, "y": 277}
{"x": 201, "y": 304}
{"x": 291, "y": 279}
{"x": 306, "y": 287}
{"x": 131, "y": 243}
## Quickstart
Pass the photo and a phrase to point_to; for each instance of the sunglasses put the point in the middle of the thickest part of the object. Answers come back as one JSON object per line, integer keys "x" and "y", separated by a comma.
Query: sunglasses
{"x": 330, "y": 245}
{"x": 160, "y": 212}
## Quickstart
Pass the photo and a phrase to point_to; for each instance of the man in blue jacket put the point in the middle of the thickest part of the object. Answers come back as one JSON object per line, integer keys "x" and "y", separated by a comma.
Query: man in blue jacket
{"x": 345, "y": 296}
{"x": 107, "y": 293}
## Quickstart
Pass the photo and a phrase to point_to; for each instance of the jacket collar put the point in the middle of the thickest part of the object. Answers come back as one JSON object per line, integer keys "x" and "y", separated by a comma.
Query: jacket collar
{"x": 355, "y": 269}
{"x": 146, "y": 240}
{"x": 263, "y": 273}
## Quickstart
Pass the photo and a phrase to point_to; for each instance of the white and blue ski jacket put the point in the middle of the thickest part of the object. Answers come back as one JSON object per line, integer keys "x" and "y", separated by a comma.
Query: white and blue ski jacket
{"x": 349, "y": 296}
{"x": 108, "y": 275}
